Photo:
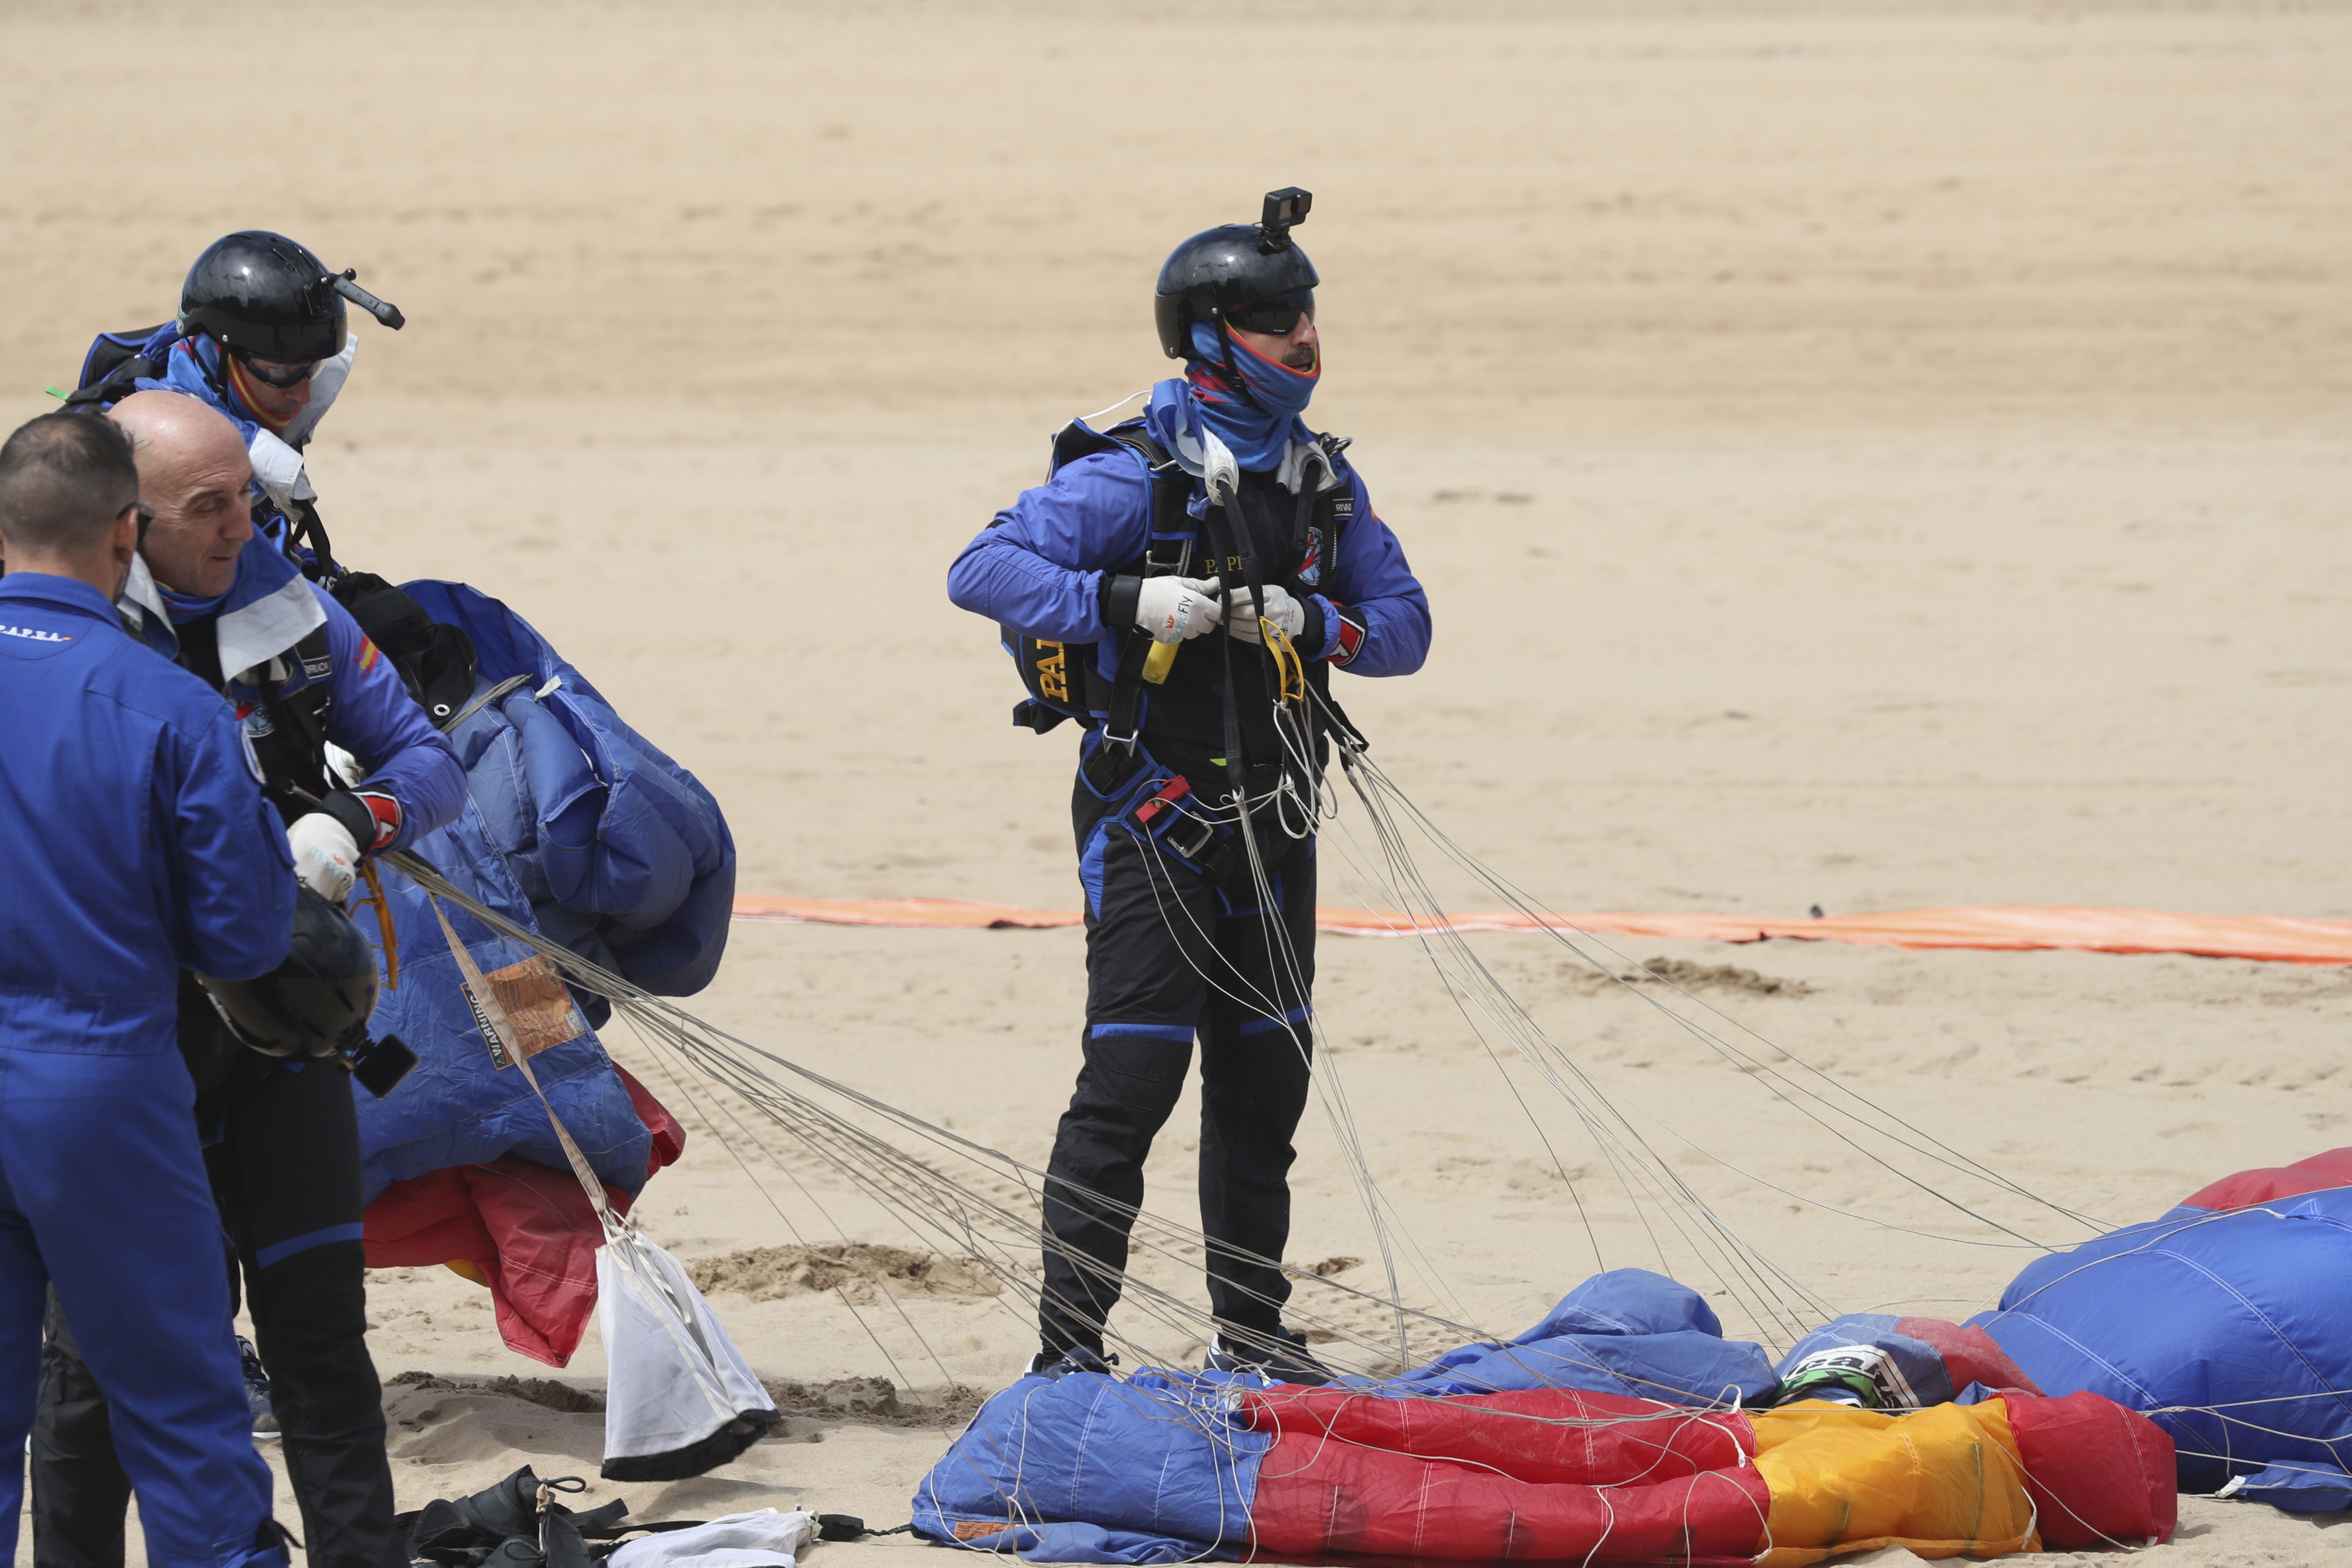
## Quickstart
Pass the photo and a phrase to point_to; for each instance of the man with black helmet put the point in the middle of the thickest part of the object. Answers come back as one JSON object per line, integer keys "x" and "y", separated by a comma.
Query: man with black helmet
{"x": 209, "y": 591}
{"x": 261, "y": 336}
{"x": 1182, "y": 584}
{"x": 135, "y": 840}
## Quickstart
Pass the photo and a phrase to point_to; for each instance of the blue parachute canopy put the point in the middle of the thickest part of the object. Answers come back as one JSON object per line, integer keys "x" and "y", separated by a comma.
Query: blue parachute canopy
{"x": 2231, "y": 1330}
{"x": 576, "y": 828}
{"x": 1158, "y": 1452}
{"x": 1627, "y": 1331}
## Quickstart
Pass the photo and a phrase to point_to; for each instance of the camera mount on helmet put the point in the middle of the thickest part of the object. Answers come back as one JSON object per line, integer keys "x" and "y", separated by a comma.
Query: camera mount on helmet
{"x": 1224, "y": 270}
{"x": 1283, "y": 208}
{"x": 384, "y": 310}
{"x": 262, "y": 296}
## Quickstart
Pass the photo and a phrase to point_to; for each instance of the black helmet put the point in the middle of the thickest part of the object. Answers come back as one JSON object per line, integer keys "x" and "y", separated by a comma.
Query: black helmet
{"x": 264, "y": 296}
{"x": 1220, "y": 274}
{"x": 315, "y": 1003}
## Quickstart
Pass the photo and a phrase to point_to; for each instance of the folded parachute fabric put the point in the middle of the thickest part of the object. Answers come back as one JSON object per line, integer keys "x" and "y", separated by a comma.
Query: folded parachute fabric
{"x": 2271, "y": 1182}
{"x": 1625, "y": 1331}
{"x": 1167, "y": 1468}
{"x": 2226, "y": 1321}
{"x": 625, "y": 857}
{"x": 574, "y": 826}
{"x": 523, "y": 1230}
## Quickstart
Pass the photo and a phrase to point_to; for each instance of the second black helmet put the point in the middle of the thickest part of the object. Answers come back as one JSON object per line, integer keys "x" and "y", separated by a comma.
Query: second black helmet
{"x": 315, "y": 1003}
{"x": 1221, "y": 275}
{"x": 264, "y": 296}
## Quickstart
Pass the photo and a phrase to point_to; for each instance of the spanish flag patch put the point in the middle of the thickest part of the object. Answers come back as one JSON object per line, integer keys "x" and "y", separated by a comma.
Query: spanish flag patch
{"x": 367, "y": 654}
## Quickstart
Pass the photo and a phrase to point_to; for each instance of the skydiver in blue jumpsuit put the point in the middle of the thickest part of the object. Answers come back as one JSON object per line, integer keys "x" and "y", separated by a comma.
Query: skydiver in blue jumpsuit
{"x": 134, "y": 842}
{"x": 212, "y": 592}
{"x": 1191, "y": 932}
{"x": 260, "y": 336}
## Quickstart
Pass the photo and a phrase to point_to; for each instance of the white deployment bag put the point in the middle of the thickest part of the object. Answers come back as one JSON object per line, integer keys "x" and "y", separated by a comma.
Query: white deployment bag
{"x": 679, "y": 1399}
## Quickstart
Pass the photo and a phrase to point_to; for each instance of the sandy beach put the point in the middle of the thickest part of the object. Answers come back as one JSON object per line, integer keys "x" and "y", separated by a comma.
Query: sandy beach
{"x": 1872, "y": 457}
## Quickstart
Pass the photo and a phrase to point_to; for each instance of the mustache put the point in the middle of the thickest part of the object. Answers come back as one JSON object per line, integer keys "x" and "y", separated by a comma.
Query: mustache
{"x": 1303, "y": 357}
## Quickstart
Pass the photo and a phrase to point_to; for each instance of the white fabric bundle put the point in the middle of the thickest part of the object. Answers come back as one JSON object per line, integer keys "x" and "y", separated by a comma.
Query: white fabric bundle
{"x": 738, "y": 1541}
{"x": 679, "y": 1399}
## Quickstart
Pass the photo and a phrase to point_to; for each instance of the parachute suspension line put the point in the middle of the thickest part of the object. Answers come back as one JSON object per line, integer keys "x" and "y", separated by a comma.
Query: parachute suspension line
{"x": 1543, "y": 1135}
{"x": 1547, "y": 1046}
{"x": 931, "y": 1204}
{"x": 1330, "y": 1091}
{"x": 1363, "y": 771}
{"x": 1552, "y": 924}
{"x": 1740, "y": 1269}
{"x": 1342, "y": 1126}
{"x": 995, "y": 1253}
{"x": 1295, "y": 730}
{"x": 691, "y": 1098}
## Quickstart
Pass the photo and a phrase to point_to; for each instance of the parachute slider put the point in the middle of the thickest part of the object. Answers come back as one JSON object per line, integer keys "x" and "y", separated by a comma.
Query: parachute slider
{"x": 384, "y": 310}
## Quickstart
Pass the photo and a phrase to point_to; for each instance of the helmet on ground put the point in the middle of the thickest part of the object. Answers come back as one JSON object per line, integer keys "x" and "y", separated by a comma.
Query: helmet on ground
{"x": 1248, "y": 275}
{"x": 315, "y": 1004}
{"x": 264, "y": 297}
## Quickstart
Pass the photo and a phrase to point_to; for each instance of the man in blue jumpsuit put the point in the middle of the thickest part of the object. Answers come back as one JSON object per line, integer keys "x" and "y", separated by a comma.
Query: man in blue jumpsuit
{"x": 1219, "y": 526}
{"x": 134, "y": 842}
{"x": 209, "y": 591}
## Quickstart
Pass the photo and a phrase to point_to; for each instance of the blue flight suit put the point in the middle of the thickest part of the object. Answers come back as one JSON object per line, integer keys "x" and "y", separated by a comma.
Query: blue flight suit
{"x": 134, "y": 841}
{"x": 1178, "y": 946}
{"x": 282, "y": 1138}
{"x": 268, "y": 613}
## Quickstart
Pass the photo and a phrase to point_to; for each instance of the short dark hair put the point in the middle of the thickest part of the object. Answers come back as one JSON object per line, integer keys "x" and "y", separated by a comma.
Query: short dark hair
{"x": 63, "y": 478}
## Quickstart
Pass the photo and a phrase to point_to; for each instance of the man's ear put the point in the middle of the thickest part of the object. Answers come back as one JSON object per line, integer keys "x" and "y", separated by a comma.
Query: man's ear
{"x": 122, "y": 543}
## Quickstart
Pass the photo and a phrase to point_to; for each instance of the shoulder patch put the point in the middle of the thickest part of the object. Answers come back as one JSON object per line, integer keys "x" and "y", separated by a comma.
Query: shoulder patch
{"x": 367, "y": 654}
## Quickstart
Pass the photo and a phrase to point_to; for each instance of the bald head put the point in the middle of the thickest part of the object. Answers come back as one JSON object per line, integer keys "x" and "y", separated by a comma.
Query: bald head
{"x": 193, "y": 470}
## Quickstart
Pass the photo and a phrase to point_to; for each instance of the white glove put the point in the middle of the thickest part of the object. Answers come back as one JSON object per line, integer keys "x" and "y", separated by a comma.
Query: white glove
{"x": 277, "y": 465}
{"x": 326, "y": 862}
{"x": 1176, "y": 609}
{"x": 1283, "y": 611}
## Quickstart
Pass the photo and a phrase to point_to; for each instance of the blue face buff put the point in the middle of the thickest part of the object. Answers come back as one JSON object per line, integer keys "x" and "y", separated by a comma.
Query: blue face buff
{"x": 185, "y": 607}
{"x": 1256, "y": 427}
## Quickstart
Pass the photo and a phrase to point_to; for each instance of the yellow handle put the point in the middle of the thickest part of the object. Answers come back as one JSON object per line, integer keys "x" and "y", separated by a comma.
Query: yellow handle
{"x": 1160, "y": 661}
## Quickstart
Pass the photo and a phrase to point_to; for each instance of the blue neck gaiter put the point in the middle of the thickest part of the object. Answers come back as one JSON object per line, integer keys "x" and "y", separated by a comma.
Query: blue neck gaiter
{"x": 1257, "y": 427}
{"x": 185, "y": 607}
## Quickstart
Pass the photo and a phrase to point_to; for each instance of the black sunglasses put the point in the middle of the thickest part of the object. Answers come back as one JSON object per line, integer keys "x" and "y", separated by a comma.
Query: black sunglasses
{"x": 271, "y": 373}
{"x": 1276, "y": 315}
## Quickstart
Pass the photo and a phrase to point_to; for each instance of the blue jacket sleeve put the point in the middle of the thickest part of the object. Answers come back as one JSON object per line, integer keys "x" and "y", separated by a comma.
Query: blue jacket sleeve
{"x": 1039, "y": 566}
{"x": 1375, "y": 615}
{"x": 375, "y": 719}
{"x": 231, "y": 865}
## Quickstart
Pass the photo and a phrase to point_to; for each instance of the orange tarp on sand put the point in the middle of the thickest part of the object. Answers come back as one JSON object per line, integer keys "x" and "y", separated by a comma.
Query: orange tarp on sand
{"x": 2278, "y": 939}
